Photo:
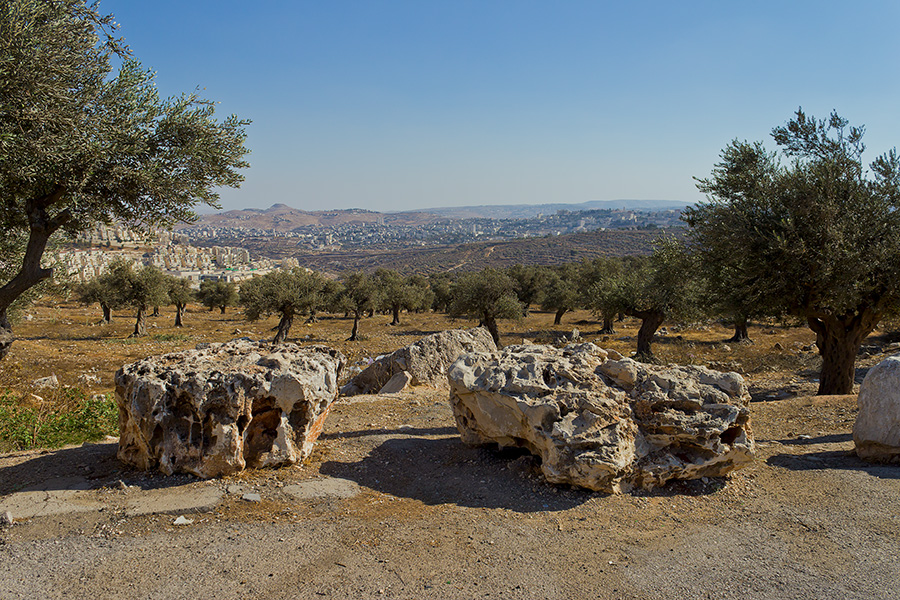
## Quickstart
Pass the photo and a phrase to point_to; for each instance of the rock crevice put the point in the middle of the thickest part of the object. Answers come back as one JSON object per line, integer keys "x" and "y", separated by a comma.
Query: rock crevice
{"x": 223, "y": 407}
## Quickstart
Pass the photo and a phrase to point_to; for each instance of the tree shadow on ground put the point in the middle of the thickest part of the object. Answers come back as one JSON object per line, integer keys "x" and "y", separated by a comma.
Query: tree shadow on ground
{"x": 83, "y": 467}
{"x": 845, "y": 460}
{"x": 446, "y": 471}
{"x": 412, "y": 332}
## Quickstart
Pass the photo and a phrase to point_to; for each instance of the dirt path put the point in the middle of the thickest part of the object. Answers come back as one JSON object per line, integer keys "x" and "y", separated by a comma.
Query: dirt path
{"x": 392, "y": 505}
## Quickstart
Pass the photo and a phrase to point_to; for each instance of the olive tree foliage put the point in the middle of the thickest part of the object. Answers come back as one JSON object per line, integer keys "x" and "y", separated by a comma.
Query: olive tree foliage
{"x": 529, "y": 282}
{"x": 817, "y": 237}
{"x": 217, "y": 293}
{"x": 81, "y": 144}
{"x": 441, "y": 287}
{"x": 487, "y": 295}
{"x": 283, "y": 292}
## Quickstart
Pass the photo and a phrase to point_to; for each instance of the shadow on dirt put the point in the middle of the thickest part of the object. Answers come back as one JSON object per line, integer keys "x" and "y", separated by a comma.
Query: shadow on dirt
{"x": 83, "y": 467}
{"x": 833, "y": 459}
{"x": 446, "y": 471}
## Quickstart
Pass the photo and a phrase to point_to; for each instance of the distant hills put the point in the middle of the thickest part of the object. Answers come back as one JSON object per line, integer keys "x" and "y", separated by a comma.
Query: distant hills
{"x": 526, "y": 211}
{"x": 283, "y": 218}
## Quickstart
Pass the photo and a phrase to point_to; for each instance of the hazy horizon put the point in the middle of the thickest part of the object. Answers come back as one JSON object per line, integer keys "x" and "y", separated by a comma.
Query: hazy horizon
{"x": 403, "y": 105}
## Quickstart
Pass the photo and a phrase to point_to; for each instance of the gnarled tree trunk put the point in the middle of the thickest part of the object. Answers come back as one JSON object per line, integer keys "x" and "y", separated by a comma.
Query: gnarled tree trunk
{"x": 179, "y": 313}
{"x": 284, "y": 326}
{"x": 557, "y": 320}
{"x": 41, "y": 227}
{"x": 740, "y": 329}
{"x": 107, "y": 314}
{"x": 395, "y": 312}
{"x": 354, "y": 334}
{"x": 650, "y": 322}
{"x": 140, "y": 325}
{"x": 607, "y": 328}
{"x": 490, "y": 323}
{"x": 838, "y": 339}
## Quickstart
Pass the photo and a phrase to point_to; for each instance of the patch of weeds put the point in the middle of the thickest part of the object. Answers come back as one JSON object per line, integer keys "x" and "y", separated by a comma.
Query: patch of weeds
{"x": 71, "y": 417}
{"x": 170, "y": 337}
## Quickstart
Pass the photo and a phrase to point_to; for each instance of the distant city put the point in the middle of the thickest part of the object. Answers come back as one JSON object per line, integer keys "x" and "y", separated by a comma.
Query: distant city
{"x": 213, "y": 247}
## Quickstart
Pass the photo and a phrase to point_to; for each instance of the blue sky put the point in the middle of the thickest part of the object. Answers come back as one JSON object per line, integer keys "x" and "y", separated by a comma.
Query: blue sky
{"x": 397, "y": 105}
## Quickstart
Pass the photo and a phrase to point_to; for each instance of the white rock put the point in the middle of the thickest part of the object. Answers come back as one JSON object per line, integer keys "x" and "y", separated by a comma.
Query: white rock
{"x": 426, "y": 360}
{"x": 397, "y": 383}
{"x": 46, "y": 382}
{"x": 603, "y": 424}
{"x": 215, "y": 410}
{"x": 876, "y": 432}
{"x": 182, "y": 520}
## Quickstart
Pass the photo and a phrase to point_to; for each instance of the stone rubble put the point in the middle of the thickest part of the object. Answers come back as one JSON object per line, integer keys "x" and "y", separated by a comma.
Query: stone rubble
{"x": 601, "y": 421}
{"x": 426, "y": 360}
{"x": 220, "y": 408}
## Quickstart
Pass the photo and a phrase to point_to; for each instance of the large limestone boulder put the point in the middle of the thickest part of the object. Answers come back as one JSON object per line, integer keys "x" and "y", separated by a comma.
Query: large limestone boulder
{"x": 876, "y": 432}
{"x": 223, "y": 407}
{"x": 426, "y": 360}
{"x": 602, "y": 423}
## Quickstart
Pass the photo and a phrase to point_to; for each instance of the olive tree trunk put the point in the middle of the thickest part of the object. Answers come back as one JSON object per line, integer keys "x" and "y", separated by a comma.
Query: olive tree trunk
{"x": 354, "y": 334}
{"x": 395, "y": 312}
{"x": 557, "y": 320}
{"x": 490, "y": 323}
{"x": 41, "y": 227}
{"x": 140, "y": 325}
{"x": 179, "y": 314}
{"x": 607, "y": 328}
{"x": 284, "y": 326}
{"x": 838, "y": 340}
{"x": 740, "y": 329}
{"x": 650, "y": 322}
{"x": 107, "y": 314}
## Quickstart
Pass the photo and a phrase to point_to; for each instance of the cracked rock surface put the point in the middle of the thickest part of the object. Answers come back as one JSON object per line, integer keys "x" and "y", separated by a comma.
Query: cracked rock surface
{"x": 220, "y": 408}
{"x": 601, "y": 421}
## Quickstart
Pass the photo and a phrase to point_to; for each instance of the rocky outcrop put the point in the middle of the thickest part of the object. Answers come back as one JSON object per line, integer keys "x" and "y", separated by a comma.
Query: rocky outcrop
{"x": 876, "y": 432}
{"x": 602, "y": 423}
{"x": 223, "y": 407}
{"x": 426, "y": 360}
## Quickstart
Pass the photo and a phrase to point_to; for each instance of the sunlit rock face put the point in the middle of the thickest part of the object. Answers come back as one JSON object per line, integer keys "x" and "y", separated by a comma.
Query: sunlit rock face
{"x": 876, "y": 432}
{"x": 426, "y": 360}
{"x": 601, "y": 421}
{"x": 224, "y": 407}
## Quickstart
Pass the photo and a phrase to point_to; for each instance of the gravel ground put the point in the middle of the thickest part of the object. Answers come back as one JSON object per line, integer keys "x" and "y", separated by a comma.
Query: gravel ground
{"x": 397, "y": 507}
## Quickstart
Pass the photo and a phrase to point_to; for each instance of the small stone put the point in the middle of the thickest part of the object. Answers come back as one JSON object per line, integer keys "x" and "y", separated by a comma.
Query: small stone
{"x": 46, "y": 382}
{"x": 6, "y": 519}
{"x": 397, "y": 383}
{"x": 251, "y": 497}
{"x": 182, "y": 520}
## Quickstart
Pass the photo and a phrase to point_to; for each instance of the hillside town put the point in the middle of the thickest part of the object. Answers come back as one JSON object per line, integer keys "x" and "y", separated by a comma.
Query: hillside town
{"x": 389, "y": 232}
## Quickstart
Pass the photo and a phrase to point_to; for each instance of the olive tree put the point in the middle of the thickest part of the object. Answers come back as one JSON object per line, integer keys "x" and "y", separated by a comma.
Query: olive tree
{"x": 284, "y": 292}
{"x": 139, "y": 287}
{"x": 359, "y": 295}
{"x": 81, "y": 144}
{"x": 488, "y": 295}
{"x": 217, "y": 293}
{"x": 817, "y": 237}
{"x": 179, "y": 294}
{"x": 657, "y": 287}
{"x": 560, "y": 292}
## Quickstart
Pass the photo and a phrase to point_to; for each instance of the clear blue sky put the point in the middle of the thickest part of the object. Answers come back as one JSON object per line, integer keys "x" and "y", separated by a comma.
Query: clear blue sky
{"x": 396, "y": 105}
